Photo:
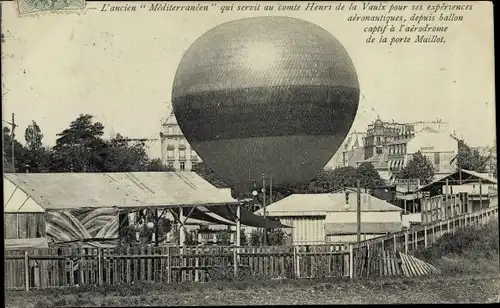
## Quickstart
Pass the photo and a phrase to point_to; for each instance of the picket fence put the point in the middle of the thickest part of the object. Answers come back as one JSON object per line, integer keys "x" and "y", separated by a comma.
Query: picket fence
{"x": 64, "y": 267}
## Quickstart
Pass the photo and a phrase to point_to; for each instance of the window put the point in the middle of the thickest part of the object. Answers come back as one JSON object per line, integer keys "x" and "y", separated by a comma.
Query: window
{"x": 171, "y": 164}
{"x": 193, "y": 165}
{"x": 436, "y": 158}
{"x": 170, "y": 130}
{"x": 183, "y": 165}
{"x": 182, "y": 154}
{"x": 379, "y": 150}
{"x": 170, "y": 153}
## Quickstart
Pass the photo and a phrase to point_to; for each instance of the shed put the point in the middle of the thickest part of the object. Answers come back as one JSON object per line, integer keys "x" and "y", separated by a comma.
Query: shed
{"x": 480, "y": 188}
{"x": 328, "y": 218}
{"x": 66, "y": 207}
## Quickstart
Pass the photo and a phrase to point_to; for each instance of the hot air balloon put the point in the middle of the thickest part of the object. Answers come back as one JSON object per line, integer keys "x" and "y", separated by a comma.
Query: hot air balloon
{"x": 266, "y": 95}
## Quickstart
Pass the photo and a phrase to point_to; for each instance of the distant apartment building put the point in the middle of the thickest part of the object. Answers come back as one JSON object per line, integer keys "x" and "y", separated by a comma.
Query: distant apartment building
{"x": 438, "y": 147}
{"x": 349, "y": 153}
{"x": 390, "y": 146}
{"x": 176, "y": 151}
{"x": 378, "y": 135}
{"x": 437, "y": 126}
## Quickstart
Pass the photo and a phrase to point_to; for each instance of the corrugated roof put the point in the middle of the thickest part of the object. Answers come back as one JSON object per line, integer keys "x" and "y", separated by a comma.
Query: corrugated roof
{"x": 134, "y": 189}
{"x": 320, "y": 204}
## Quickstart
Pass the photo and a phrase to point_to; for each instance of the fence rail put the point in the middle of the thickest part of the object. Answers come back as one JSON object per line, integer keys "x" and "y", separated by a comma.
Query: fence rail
{"x": 60, "y": 267}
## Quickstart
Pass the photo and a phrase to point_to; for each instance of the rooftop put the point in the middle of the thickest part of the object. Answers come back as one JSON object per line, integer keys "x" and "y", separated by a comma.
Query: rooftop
{"x": 133, "y": 189}
{"x": 321, "y": 204}
{"x": 378, "y": 161}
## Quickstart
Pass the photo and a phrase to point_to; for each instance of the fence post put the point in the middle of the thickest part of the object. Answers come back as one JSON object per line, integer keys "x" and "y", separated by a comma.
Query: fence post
{"x": 295, "y": 263}
{"x": 26, "y": 270}
{"x": 298, "y": 262}
{"x": 351, "y": 262}
{"x": 433, "y": 233}
{"x": 235, "y": 262}
{"x": 169, "y": 265}
{"x": 406, "y": 241}
{"x": 425, "y": 236}
{"x": 415, "y": 240}
{"x": 395, "y": 243}
{"x": 197, "y": 265}
{"x": 100, "y": 270}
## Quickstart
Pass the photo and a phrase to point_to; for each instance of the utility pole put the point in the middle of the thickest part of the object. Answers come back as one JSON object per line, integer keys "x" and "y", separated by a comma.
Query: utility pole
{"x": 12, "y": 136}
{"x": 264, "y": 207}
{"x": 270, "y": 189}
{"x": 13, "y": 143}
{"x": 359, "y": 210}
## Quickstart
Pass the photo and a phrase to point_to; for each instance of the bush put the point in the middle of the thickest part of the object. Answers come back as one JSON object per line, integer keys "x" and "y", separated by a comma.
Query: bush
{"x": 223, "y": 238}
{"x": 471, "y": 250}
{"x": 473, "y": 241}
{"x": 275, "y": 237}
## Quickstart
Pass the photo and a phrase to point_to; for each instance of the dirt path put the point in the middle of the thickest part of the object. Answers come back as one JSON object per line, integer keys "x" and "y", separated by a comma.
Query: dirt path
{"x": 428, "y": 290}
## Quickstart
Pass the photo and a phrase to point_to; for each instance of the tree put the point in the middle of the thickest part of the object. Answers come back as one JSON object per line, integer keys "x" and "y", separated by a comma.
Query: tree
{"x": 37, "y": 156}
{"x": 419, "y": 167}
{"x": 470, "y": 159}
{"x": 157, "y": 165}
{"x": 368, "y": 176}
{"x": 330, "y": 180}
{"x": 33, "y": 137}
{"x": 80, "y": 148}
{"x": 19, "y": 151}
{"x": 209, "y": 175}
{"x": 119, "y": 155}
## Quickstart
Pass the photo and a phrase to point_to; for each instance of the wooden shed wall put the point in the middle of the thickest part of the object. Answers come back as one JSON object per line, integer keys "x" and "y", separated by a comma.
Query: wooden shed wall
{"x": 24, "y": 225}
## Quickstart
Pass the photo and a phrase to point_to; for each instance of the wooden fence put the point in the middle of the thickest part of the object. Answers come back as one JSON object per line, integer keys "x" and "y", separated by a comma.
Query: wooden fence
{"x": 367, "y": 254}
{"x": 60, "y": 267}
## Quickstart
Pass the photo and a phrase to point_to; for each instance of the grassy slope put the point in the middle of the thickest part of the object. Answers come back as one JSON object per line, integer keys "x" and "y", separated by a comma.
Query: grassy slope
{"x": 470, "y": 251}
{"x": 470, "y": 255}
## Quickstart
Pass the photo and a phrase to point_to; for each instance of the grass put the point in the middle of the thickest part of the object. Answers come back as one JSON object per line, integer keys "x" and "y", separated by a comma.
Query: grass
{"x": 285, "y": 292}
{"x": 468, "y": 260}
{"x": 470, "y": 251}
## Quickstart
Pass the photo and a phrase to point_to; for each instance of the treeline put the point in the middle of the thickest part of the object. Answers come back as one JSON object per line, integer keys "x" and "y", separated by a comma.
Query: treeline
{"x": 325, "y": 182}
{"x": 82, "y": 148}
{"x": 79, "y": 148}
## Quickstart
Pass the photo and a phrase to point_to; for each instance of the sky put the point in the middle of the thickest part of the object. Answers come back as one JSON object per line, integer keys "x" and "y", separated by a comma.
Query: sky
{"x": 120, "y": 66}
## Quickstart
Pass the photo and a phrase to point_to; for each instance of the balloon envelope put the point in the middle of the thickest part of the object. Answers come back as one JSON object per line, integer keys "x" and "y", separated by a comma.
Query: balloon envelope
{"x": 266, "y": 95}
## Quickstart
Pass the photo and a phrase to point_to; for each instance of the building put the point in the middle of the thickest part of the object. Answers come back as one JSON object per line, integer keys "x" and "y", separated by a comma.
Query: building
{"x": 349, "y": 153}
{"x": 175, "y": 149}
{"x": 389, "y": 146}
{"x": 67, "y": 207}
{"x": 379, "y": 134}
{"x": 332, "y": 218}
{"x": 439, "y": 147}
{"x": 479, "y": 189}
{"x": 39, "y": 204}
{"x": 437, "y": 126}
{"x": 353, "y": 150}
